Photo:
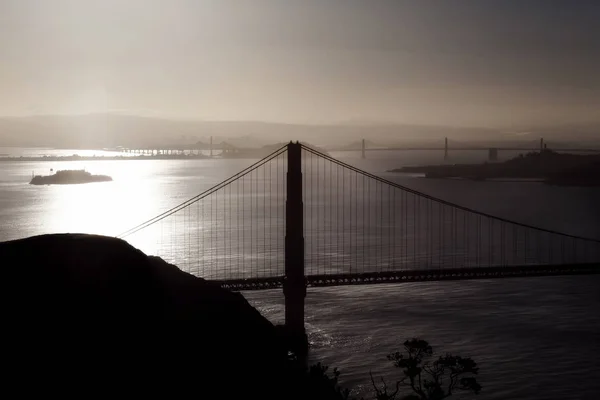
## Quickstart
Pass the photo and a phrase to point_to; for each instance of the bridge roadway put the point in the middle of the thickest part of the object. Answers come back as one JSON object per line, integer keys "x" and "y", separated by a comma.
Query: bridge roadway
{"x": 421, "y": 275}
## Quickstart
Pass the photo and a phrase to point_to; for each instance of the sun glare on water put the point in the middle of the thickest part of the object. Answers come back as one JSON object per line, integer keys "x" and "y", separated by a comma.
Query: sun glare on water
{"x": 106, "y": 208}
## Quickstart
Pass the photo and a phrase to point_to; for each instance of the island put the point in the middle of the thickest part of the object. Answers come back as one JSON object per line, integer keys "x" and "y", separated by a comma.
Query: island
{"x": 547, "y": 166}
{"x": 68, "y": 177}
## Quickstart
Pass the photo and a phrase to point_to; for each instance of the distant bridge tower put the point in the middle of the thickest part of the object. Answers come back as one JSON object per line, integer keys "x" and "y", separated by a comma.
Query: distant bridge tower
{"x": 445, "y": 149}
{"x": 541, "y": 145}
{"x": 363, "y": 154}
{"x": 294, "y": 286}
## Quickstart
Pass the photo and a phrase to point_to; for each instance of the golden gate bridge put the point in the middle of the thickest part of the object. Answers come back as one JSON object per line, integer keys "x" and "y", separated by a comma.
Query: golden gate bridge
{"x": 299, "y": 218}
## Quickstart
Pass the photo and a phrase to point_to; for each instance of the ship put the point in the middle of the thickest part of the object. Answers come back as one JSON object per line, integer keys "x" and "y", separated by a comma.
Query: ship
{"x": 68, "y": 177}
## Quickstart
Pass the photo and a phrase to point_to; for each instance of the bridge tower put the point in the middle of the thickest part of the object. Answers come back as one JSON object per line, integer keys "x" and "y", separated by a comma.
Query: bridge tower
{"x": 541, "y": 145}
{"x": 446, "y": 149}
{"x": 294, "y": 286}
{"x": 363, "y": 154}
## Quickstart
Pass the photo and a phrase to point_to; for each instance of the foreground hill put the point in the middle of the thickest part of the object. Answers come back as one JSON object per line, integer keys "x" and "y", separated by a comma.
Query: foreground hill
{"x": 88, "y": 314}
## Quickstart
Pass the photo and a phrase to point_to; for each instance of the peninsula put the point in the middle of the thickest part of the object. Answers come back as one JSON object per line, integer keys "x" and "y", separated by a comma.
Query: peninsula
{"x": 547, "y": 166}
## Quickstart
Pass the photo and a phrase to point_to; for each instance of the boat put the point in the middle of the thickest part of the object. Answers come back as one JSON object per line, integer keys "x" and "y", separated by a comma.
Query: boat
{"x": 68, "y": 177}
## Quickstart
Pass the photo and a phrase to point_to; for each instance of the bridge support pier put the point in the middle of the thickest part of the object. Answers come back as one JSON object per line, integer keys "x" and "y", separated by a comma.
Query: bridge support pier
{"x": 294, "y": 286}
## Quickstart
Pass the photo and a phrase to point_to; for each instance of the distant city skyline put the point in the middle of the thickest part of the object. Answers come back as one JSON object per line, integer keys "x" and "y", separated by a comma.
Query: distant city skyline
{"x": 460, "y": 63}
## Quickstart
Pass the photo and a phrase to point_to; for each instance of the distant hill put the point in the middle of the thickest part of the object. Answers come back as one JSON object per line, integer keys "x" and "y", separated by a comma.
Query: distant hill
{"x": 111, "y": 130}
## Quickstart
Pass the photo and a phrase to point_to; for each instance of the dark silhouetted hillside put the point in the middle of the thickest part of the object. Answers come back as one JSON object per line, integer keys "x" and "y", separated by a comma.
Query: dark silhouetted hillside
{"x": 88, "y": 315}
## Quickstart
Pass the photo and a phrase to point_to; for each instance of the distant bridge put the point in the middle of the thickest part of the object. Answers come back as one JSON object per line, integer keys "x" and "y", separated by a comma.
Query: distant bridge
{"x": 364, "y": 146}
{"x": 198, "y": 148}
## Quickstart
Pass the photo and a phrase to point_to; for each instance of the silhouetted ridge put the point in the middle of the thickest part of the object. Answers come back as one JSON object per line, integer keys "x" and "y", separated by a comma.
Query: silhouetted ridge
{"x": 92, "y": 313}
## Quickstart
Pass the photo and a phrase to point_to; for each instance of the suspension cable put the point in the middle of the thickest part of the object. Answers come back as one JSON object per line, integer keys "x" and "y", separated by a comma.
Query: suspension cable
{"x": 438, "y": 200}
{"x": 204, "y": 194}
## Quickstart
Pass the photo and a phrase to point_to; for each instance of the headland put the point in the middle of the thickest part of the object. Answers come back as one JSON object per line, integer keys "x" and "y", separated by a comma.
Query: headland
{"x": 547, "y": 166}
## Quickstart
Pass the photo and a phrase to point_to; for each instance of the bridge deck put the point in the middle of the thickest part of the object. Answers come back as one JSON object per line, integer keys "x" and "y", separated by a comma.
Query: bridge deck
{"x": 422, "y": 275}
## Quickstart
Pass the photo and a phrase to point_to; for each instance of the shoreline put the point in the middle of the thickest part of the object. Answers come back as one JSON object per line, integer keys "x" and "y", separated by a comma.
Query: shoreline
{"x": 461, "y": 178}
{"x": 573, "y": 182}
{"x": 493, "y": 180}
{"x": 112, "y": 158}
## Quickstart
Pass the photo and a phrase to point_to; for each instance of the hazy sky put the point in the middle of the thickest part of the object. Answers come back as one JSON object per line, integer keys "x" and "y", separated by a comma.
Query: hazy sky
{"x": 441, "y": 62}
